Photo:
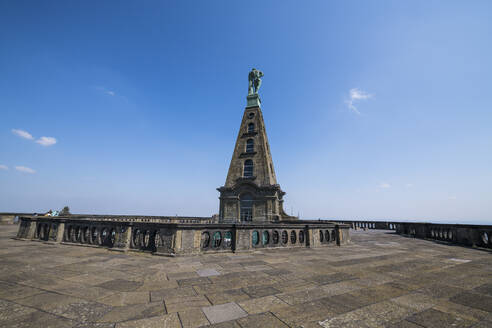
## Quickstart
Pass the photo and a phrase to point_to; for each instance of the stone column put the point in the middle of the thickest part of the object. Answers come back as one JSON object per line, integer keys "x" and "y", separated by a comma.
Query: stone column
{"x": 60, "y": 232}
{"x": 32, "y": 229}
{"x": 338, "y": 233}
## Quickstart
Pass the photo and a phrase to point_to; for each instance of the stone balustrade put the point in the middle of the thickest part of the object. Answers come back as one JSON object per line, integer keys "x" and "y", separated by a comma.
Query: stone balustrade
{"x": 163, "y": 236}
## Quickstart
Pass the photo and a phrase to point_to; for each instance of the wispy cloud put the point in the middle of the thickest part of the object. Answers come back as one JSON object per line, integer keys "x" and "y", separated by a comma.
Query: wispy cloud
{"x": 25, "y": 169}
{"x": 106, "y": 91}
{"x": 384, "y": 185}
{"x": 356, "y": 95}
{"x": 46, "y": 141}
{"x": 409, "y": 185}
{"x": 3, "y": 167}
{"x": 452, "y": 198}
{"x": 22, "y": 134}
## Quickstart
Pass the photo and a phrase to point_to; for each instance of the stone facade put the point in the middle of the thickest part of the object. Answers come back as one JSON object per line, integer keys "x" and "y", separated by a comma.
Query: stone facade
{"x": 251, "y": 192}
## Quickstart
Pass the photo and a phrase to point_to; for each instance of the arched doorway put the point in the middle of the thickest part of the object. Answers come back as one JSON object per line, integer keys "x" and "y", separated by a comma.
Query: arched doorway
{"x": 246, "y": 207}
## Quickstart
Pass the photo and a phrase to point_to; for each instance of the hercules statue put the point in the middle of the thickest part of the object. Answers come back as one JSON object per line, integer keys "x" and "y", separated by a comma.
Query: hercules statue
{"x": 254, "y": 81}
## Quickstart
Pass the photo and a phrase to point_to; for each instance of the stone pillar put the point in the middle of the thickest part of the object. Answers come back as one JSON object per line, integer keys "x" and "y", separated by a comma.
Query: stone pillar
{"x": 60, "y": 232}
{"x": 338, "y": 233}
{"x": 32, "y": 229}
{"x": 122, "y": 238}
{"x": 310, "y": 242}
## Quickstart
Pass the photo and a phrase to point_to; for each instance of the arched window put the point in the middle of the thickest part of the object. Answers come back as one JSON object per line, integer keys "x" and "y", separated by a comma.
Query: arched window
{"x": 250, "y": 145}
{"x": 275, "y": 237}
{"x": 251, "y": 127}
{"x": 217, "y": 239}
{"x": 205, "y": 239}
{"x": 265, "y": 237}
{"x": 246, "y": 207}
{"x": 285, "y": 237}
{"x": 248, "y": 168}
{"x": 293, "y": 237}
{"x": 255, "y": 237}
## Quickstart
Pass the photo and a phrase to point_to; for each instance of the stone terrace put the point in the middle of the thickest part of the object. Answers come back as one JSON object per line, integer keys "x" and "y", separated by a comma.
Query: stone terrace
{"x": 380, "y": 280}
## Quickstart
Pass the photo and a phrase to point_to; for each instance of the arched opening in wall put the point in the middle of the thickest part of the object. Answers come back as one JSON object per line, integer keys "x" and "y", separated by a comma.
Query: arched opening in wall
{"x": 250, "y": 145}
{"x": 321, "y": 236}
{"x": 246, "y": 207}
{"x": 265, "y": 237}
{"x": 275, "y": 237}
{"x": 104, "y": 236}
{"x": 85, "y": 235}
{"x": 112, "y": 238}
{"x": 76, "y": 236}
{"x": 217, "y": 239}
{"x": 255, "y": 237}
{"x": 293, "y": 237}
{"x": 327, "y": 236}
{"x": 301, "y": 237}
{"x": 157, "y": 239}
{"x": 228, "y": 239}
{"x": 146, "y": 239}
{"x": 251, "y": 127}
{"x": 205, "y": 239}
{"x": 136, "y": 238}
{"x": 333, "y": 235}
{"x": 485, "y": 238}
{"x": 94, "y": 235}
{"x": 285, "y": 237}
{"x": 248, "y": 168}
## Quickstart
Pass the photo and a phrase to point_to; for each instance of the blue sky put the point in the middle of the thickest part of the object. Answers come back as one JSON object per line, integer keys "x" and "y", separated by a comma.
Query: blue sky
{"x": 374, "y": 109}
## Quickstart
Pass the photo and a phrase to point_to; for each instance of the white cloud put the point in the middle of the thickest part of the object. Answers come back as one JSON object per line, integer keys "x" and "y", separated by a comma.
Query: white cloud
{"x": 409, "y": 185}
{"x": 452, "y": 198}
{"x": 22, "y": 134}
{"x": 384, "y": 185}
{"x": 3, "y": 167}
{"x": 356, "y": 95}
{"x": 106, "y": 91}
{"x": 46, "y": 141}
{"x": 25, "y": 169}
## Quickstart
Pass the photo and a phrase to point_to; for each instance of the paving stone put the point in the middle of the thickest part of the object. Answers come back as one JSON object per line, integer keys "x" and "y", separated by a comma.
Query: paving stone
{"x": 477, "y": 301}
{"x": 38, "y": 319}
{"x": 484, "y": 289}
{"x": 260, "y": 291}
{"x": 261, "y": 320}
{"x": 262, "y": 304}
{"x": 403, "y": 324}
{"x": 121, "y": 285}
{"x": 125, "y": 298}
{"x": 223, "y": 312}
{"x": 227, "y": 296}
{"x": 193, "y": 318}
{"x": 207, "y": 272}
{"x": 185, "y": 303}
{"x": 193, "y": 281}
{"x": 438, "y": 319}
{"x": 417, "y": 301}
{"x": 134, "y": 312}
{"x": 163, "y": 321}
{"x": 168, "y": 293}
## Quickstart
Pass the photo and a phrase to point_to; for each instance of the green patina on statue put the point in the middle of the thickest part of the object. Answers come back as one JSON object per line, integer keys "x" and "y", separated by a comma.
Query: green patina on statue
{"x": 254, "y": 82}
{"x": 254, "y": 79}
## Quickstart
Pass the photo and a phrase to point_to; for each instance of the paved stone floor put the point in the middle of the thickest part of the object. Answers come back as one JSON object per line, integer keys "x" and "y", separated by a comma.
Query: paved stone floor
{"x": 380, "y": 280}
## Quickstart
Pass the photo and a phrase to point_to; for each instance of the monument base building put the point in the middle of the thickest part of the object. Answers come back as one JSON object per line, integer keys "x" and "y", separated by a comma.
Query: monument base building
{"x": 251, "y": 214}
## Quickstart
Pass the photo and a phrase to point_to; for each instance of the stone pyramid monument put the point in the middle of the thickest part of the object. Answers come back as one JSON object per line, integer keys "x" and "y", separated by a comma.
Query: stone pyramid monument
{"x": 251, "y": 192}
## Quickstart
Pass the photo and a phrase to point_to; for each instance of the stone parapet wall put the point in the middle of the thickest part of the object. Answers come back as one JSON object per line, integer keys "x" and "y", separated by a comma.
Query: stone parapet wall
{"x": 463, "y": 234}
{"x": 168, "y": 238}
